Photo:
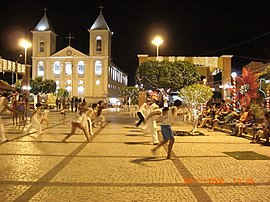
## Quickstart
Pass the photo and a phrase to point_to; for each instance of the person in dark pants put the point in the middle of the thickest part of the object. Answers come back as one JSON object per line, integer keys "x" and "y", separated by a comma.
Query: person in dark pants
{"x": 76, "y": 104}
{"x": 72, "y": 103}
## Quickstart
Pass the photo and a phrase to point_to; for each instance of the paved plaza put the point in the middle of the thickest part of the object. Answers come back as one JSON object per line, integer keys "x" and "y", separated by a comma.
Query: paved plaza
{"x": 117, "y": 165}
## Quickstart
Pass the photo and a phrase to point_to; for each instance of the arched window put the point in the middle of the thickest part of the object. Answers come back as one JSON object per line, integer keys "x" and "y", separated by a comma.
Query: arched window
{"x": 41, "y": 45}
{"x": 81, "y": 67}
{"x": 57, "y": 68}
{"x": 80, "y": 90}
{"x": 98, "y": 43}
{"x": 68, "y": 88}
{"x": 40, "y": 68}
{"x": 68, "y": 68}
{"x": 98, "y": 68}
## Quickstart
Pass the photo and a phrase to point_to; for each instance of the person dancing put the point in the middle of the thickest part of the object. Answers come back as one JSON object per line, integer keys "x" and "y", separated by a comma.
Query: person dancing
{"x": 167, "y": 120}
{"x": 45, "y": 116}
{"x": 34, "y": 122}
{"x": 3, "y": 105}
{"x": 79, "y": 122}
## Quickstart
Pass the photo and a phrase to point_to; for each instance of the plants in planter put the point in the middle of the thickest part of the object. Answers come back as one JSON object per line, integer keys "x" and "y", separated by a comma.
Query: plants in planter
{"x": 257, "y": 112}
{"x": 195, "y": 96}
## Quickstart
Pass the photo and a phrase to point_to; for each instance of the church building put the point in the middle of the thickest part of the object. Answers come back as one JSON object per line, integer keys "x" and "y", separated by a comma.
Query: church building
{"x": 84, "y": 75}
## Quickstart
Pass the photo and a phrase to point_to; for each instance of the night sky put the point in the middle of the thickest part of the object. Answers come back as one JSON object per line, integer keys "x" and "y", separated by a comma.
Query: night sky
{"x": 189, "y": 28}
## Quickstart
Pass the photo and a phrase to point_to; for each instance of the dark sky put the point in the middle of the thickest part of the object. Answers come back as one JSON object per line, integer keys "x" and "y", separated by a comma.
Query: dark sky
{"x": 189, "y": 28}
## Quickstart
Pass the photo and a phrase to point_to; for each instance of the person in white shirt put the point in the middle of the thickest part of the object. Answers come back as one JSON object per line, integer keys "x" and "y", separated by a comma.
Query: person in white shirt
{"x": 168, "y": 117}
{"x": 3, "y": 105}
{"x": 45, "y": 116}
{"x": 34, "y": 122}
{"x": 79, "y": 122}
{"x": 151, "y": 122}
{"x": 143, "y": 112}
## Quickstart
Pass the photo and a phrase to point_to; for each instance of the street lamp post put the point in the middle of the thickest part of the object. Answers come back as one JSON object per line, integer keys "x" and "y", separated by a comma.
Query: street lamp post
{"x": 234, "y": 75}
{"x": 25, "y": 44}
{"x": 157, "y": 41}
{"x": 26, "y": 78}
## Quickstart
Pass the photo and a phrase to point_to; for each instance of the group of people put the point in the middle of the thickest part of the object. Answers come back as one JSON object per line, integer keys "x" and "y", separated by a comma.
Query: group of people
{"x": 239, "y": 119}
{"x": 150, "y": 113}
{"x": 72, "y": 104}
{"x": 19, "y": 106}
{"x": 87, "y": 117}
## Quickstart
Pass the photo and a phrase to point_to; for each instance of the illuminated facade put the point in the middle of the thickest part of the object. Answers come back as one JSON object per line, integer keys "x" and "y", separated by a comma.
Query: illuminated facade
{"x": 90, "y": 76}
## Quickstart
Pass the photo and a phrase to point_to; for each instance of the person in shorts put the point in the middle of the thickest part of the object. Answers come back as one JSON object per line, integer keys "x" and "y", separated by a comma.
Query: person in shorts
{"x": 167, "y": 119}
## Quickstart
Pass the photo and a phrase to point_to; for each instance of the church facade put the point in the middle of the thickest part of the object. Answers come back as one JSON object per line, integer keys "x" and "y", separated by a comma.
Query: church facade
{"x": 91, "y": 76}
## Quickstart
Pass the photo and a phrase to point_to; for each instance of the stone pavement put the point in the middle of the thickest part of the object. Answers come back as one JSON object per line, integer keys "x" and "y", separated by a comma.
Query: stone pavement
{"x": 118, "y": 166}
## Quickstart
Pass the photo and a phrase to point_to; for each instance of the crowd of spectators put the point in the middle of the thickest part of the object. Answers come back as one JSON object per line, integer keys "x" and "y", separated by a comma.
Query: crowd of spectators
{"x": 238, "y": 119}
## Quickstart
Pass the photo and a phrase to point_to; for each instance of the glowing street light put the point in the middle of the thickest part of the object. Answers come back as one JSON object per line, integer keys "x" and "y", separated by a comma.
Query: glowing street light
{"x": 26, "y": 78}
{"x": 25, "y": 44}
{"x": 157, "y": 41}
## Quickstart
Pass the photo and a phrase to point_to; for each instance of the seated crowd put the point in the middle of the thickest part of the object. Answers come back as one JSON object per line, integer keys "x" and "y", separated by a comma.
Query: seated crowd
{"x": 238, "y": 120}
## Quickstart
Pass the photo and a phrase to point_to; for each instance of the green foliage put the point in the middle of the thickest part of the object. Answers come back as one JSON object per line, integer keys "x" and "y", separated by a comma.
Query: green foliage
{"x": 39, "y": 86}
{"x": 62, "y": 93}
{"x": 196, "y": 94}
{"x": 49, "y": 86}
{"x": 257, "y": 111}
{"x": 265, "y": 74}
{"x": 131, "y": 92}
{"x": 174, "y": 75}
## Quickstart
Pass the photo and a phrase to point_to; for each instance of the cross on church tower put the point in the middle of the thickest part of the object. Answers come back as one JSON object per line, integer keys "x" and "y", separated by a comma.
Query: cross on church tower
{"x": 69, "y": 37}
{"x": 101, "y": 7}
{"x": 45, "y": 10}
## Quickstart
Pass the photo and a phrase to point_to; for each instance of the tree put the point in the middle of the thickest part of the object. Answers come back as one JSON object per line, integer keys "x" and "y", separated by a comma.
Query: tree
{"x": 263, "y": 80}
{"x": 155, "y": 75}
{"x": 131, "y": 92}
{"x": 62, "y": 92}
{"x": 39, "y": 86}
{"x": 265, "y": 74}
{"x": 195, "y": 96}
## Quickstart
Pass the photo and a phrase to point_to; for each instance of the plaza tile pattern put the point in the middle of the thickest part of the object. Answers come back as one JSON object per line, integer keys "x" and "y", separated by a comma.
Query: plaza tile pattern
{"x": 117, "y": 165}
